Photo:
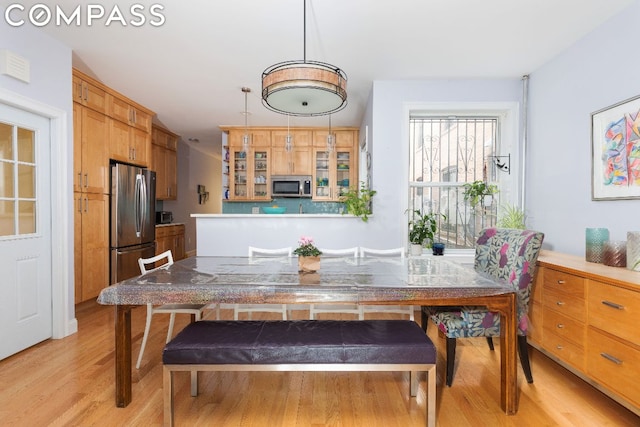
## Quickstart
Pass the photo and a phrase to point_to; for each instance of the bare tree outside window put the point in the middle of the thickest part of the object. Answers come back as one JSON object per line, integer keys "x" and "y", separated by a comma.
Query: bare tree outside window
{"x": 445, "y": 154}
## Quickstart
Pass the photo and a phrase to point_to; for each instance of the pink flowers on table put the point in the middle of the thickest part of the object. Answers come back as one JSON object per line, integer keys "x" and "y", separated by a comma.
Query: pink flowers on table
{"x": 307, "y": 248}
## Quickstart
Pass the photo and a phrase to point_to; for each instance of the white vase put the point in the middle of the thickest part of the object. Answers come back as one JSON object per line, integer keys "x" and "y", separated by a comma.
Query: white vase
{"x": 416, "y": 249}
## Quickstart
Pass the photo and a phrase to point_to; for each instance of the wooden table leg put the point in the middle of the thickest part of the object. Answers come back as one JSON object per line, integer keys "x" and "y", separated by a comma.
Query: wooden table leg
{"x": 123, "y": 355}
{"x": 506, "y": 306}
{"x": 508, "y": 357}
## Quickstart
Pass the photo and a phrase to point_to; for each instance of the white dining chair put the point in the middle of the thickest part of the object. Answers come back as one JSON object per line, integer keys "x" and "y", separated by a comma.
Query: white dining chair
{"x": 407, "y": 310}
{"x": 263, "y": 308}
{"x": 315, "y": 309}
{"x": 171, "y": 309}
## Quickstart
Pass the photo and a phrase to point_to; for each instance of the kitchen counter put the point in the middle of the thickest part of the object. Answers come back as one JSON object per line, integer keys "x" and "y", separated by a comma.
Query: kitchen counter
{"x": 232, "y": 234}
{"x": 171, "y": 224}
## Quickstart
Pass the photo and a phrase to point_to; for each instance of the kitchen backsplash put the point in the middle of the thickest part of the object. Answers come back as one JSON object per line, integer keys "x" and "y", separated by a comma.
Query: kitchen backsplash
{"x": 292, "y": 204}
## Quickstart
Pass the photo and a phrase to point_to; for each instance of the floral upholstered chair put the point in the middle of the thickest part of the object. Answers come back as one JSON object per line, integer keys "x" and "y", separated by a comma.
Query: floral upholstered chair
{"x": 504, "y": 254}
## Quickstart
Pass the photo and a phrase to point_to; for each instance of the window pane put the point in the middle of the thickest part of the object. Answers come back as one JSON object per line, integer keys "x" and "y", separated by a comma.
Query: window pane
{"x": 27, "y": 219}
{"x": 6, "y": 146}
{"x": 26, "y": 182}
{"x": 6, "y": 179}
{"x": 7, "y": 218}
{"x": 26, "y": 145}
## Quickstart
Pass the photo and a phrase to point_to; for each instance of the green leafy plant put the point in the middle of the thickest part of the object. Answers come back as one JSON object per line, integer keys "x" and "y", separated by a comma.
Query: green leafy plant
{"x": 476, "y": 190}
{"x": 307, "y": 248}
{"x": 358, "y": 202}
{"x": 511, "y": 216}
{"x": 423, "y": 227}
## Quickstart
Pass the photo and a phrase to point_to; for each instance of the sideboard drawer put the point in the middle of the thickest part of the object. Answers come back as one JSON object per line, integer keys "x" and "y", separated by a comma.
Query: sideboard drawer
{"x": 614, "y": 310}
{"x": 564, "y": 349}
{"x": 564, "y": 326}
{"x": 566, "y": 283}
{"x": 614, "y": 364}
{"x": 565, "y": 304}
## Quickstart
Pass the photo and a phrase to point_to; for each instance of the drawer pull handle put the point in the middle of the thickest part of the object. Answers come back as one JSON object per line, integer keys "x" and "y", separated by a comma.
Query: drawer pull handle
{"x": 613, "y": 305}
{"x": 561, "y": 282}
{"x": 559, "y": 347}
{"x": 559, "y": 326}
{"x": 559, "y": 303}
{"x": 611, "y": 358}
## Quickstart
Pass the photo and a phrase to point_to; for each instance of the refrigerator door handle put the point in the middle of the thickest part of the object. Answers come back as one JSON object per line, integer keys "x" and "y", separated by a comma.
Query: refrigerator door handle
{"x": 138, "y": 205}
{"x": 143, "y": 202}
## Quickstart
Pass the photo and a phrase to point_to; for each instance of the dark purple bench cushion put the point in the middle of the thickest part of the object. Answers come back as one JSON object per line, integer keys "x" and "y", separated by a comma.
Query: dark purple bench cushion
{"x": 300, "y": 341}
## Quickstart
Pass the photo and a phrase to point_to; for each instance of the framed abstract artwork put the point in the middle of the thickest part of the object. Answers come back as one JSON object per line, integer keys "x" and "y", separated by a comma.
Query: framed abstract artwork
{"x": 615, "y": 151}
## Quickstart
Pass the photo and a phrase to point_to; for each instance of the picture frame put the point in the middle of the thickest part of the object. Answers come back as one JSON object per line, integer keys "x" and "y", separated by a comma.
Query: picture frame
{"x": 615, "y": 151}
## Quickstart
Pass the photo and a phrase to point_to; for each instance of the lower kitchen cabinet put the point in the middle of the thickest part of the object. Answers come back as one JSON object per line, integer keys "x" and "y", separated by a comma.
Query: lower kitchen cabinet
{"x": 170, "y": 237}
{"x": 91, "y": 245}
{"x": 583, "y": 316}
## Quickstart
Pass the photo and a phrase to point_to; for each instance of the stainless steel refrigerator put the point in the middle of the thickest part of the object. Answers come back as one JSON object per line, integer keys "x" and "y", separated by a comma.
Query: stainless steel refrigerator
{"x": 133, "y": 228}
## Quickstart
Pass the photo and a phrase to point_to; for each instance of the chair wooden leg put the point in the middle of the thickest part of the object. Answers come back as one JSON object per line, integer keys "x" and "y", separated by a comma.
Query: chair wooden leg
{"x": 490, "y": 342}
{"x": 451, "y": 359}
{"x": 523, "y": 350}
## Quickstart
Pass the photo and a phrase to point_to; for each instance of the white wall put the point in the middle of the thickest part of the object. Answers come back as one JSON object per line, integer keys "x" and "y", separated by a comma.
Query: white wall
{"x": 195, "y": 168}
{"x": 598, "y": 71}
{"x": 49, "y": 89}
{"x": 388, "y": 126}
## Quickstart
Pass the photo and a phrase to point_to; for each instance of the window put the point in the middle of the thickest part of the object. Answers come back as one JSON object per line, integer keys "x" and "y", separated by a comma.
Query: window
{"x": 17, "y": 181}
{"x": 446, "y": 153}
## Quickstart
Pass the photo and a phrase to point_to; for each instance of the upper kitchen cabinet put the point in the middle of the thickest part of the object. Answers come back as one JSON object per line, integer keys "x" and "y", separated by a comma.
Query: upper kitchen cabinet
{"x": 90, "y": 158}
{"x": 296, "y": 161}
{"x": 164, "y": 161}
{"x": 128, "y": 112}
{"x": 249, "y": 175}
{"x": 88, "y": 93}
{"x": 128, "y": 144}
{"x": 335, "y": 170}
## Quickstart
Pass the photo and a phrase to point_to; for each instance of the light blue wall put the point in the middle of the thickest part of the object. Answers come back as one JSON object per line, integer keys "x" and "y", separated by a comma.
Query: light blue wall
{"x": 598, "y": 71}
{"x": 387, "y": 118}
{"x": 50, "y": 85}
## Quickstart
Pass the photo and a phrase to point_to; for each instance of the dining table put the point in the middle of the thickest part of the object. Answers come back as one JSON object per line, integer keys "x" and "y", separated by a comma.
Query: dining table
{"x": 418, "y": 281}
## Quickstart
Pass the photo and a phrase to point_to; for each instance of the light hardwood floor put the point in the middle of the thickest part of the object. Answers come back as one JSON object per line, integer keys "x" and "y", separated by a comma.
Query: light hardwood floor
{"x": 69, "y": 382}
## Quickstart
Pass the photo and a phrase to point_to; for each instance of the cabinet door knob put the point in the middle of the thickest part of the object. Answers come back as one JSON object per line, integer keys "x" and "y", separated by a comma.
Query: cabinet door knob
{"x": 559, "y": 347}
{"x": 559, "y": 303}
{"x": 559, "y": 326}
{"x": 561, "y": 282}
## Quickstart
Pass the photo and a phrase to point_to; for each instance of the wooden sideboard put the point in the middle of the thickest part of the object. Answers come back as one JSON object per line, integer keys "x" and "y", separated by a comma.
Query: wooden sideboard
{"x": 583, "y": 316}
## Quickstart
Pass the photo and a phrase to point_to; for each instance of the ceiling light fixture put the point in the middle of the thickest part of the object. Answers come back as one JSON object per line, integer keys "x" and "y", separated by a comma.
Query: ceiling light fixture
{"x": 304, "y": 88}
{"x": 245, "y": 137}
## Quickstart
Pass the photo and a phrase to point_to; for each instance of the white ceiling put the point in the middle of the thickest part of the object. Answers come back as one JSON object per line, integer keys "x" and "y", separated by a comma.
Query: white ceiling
{"x": 191, "y": 69}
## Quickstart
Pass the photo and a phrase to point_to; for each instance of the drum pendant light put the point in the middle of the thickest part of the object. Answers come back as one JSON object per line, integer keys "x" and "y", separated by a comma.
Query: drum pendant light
{"x": 304, "y": 88}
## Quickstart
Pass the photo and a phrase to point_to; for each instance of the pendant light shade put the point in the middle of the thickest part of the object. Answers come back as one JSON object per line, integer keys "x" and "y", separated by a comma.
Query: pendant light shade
{"x": 304, "y": 88}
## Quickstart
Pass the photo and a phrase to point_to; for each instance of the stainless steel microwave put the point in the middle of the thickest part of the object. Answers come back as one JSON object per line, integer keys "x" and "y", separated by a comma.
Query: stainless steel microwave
{"x": 291, "y": 186}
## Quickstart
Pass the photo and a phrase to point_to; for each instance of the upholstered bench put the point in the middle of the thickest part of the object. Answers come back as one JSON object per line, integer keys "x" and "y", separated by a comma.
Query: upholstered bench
{"x": 300, "y": 345}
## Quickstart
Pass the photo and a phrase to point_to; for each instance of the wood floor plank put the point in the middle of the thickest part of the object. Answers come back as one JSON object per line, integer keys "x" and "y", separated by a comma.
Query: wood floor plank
{"x": 70, "y": 382}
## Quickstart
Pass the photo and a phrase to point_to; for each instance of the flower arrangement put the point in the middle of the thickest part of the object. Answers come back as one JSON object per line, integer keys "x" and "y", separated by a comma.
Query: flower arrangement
{"x": 306, "y": 248}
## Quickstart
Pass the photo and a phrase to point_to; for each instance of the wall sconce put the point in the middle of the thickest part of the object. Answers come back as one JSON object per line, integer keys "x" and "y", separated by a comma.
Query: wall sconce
{"x": 203, "y": 194}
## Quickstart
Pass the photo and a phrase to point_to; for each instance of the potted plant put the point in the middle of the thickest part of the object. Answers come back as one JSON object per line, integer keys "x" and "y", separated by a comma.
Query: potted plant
{"x": 511, "y": 216}
{"x": 308, "y": 255}
{"x": 422, "y": 228}
{"x": 358, "y": 202}
{"x": 479, "y": 191}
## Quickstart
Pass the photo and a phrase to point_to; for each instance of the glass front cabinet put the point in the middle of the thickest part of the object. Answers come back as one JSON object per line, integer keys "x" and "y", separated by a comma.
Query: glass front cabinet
{"x": 334, "y": 170}
{"x": 249, "y": 176}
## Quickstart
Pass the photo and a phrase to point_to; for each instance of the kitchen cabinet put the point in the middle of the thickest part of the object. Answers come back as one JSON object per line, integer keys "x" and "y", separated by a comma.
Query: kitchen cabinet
{"x": 298, "y": 160}
{"x": 170, "y": 237}
{"x": 337, "y": 170}
{"x": 91, "y": 244}
{"x": 165, "y": 163}
{"x": 128, "y": 144}
{"x": 90, "y": 159}
{"x": 99, "y": 133}
{"x": 125, "y": 111}
{"x": 250, "y": 175}
{"x": 88, "y": 93}
{"x": 589, "y": 312}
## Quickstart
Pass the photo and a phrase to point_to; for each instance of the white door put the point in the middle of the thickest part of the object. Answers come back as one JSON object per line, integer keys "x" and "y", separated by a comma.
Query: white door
{"x": 25, "y": 230}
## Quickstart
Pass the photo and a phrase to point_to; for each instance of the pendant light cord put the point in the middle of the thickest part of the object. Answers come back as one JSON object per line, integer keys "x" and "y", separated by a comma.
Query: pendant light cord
{"x": 304, "y": 31}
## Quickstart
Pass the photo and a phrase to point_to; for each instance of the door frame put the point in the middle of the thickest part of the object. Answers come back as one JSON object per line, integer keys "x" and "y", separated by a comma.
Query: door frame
{"x": 64, "y": 322}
